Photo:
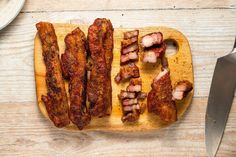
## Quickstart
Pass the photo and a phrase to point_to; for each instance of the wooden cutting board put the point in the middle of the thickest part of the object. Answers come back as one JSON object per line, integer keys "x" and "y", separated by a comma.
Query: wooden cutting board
{"x": 180, "y": 66}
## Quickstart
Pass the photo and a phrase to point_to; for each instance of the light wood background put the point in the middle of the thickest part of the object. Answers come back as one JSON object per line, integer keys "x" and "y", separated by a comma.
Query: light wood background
{"x": 210, "y": 27}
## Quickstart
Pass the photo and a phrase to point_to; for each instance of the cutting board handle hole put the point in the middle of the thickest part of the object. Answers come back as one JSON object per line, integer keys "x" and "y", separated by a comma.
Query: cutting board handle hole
{"x": 171, "y": 47}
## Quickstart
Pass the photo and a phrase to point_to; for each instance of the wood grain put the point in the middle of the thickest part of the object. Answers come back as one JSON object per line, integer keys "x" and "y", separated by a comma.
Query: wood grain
{"x": 180, "y": 66}
{"x": 78, "y": 5}
{"x": 31, "y": 134}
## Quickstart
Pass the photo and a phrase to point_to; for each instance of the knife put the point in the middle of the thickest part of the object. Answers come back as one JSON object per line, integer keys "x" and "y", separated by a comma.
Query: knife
{"x": 220, "y": 101}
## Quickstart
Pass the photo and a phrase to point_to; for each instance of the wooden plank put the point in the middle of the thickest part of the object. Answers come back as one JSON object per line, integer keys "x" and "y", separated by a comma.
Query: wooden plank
{"x": 178, "y": 71}
{"x": 209, "y": 38}
{"x": 72, "y": 5}
{"x": 25, "y": 132}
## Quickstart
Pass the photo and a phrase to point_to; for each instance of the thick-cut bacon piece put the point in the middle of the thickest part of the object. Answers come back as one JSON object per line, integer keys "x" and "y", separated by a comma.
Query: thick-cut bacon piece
{"x": 74, "y": 68}
{"x": 129, "y": 101}
{"x": 181, "y": 89}
{"x": 131, "y": 48}
{"x": 151, "y": 54}
{"x": 129, "y": 41}
{"x": 127, "y": 71}
{"x": 159, "y": 99}
{"x": 126, "y": 95}
{"x": 152, "y": 39}
{"x": 56, "y": 100}
{"x": 131, "y": 34}
{"x": 132, "y": 56}
{"x": 99, "y": 90}
{"x": 135, "y": 85}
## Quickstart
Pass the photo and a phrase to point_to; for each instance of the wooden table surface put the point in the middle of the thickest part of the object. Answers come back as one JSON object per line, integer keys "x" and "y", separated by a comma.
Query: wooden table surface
{"x": 210, "y": 27}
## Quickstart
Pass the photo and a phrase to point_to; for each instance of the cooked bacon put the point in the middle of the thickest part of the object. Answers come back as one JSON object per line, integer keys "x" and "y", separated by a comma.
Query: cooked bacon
{"x": 99, "y": 90}
{"x": 126, "y": 95}
{"x": 128, "y": 108}
{"x": 152, "y": 39}
{"x": 142, "y": 108}
{"x": 56, "y": 100}
{"x": 74, "y": 68}
{"x": 132, "y": 56}
{"x": 131, "y": 34}
{"x": 149, "y": 57}
{"x": 164, "y": 62}
{"x": 130, "y": 117}
{"x": 127, "y": 71}
{"x": 151, "y": 54}
{"x": 135, "y": 85}
{"x": 141, "y": 95}
{"x": 181, "y": 89}
{"x": 131, "y": 48}
{"x": 127, "y": 42}
{"x": 126, "y": 102}
{"x": 159, "y": 99}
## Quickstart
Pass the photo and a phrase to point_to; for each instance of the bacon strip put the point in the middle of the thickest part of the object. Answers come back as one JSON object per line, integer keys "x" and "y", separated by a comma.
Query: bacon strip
{"x": 159, "y": 99}
{"x": 56, "y": 100}
{"x": 74, "y": 68}
{"x": 99, "y": 90}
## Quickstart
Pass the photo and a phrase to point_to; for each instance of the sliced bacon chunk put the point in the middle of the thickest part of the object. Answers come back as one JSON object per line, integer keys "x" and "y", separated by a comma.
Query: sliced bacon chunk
{"x": 131, "y": 34}
{"x": 181, "y": 89}
{"x": 127, "y": 71}
{"x": 129, "y": 41}
{"x": 135, "y": 85}
{"x": 126, "y": 95}
{"x": 151, "y": 54}
{"x": 131, "y": 48}
{"x": 126, "y": 102}
{"x": 132, "y": 56}
{"x": 152, "y": 39}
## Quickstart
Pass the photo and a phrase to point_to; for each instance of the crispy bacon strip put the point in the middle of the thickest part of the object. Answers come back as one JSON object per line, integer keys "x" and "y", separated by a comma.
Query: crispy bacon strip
{"x": 159, "y": 99}
{"x": 74, "y": 68}
{"x": 56, "y": 100}
{"x": 127, "y": 71}
{"x": 99, "y": 90}
{"x": 181, "y": 89}
{"x": 152, "y": 39}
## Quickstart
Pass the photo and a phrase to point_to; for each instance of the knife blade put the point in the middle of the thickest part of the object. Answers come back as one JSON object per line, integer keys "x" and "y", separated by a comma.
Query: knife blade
{"x": 220, "y": 101}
